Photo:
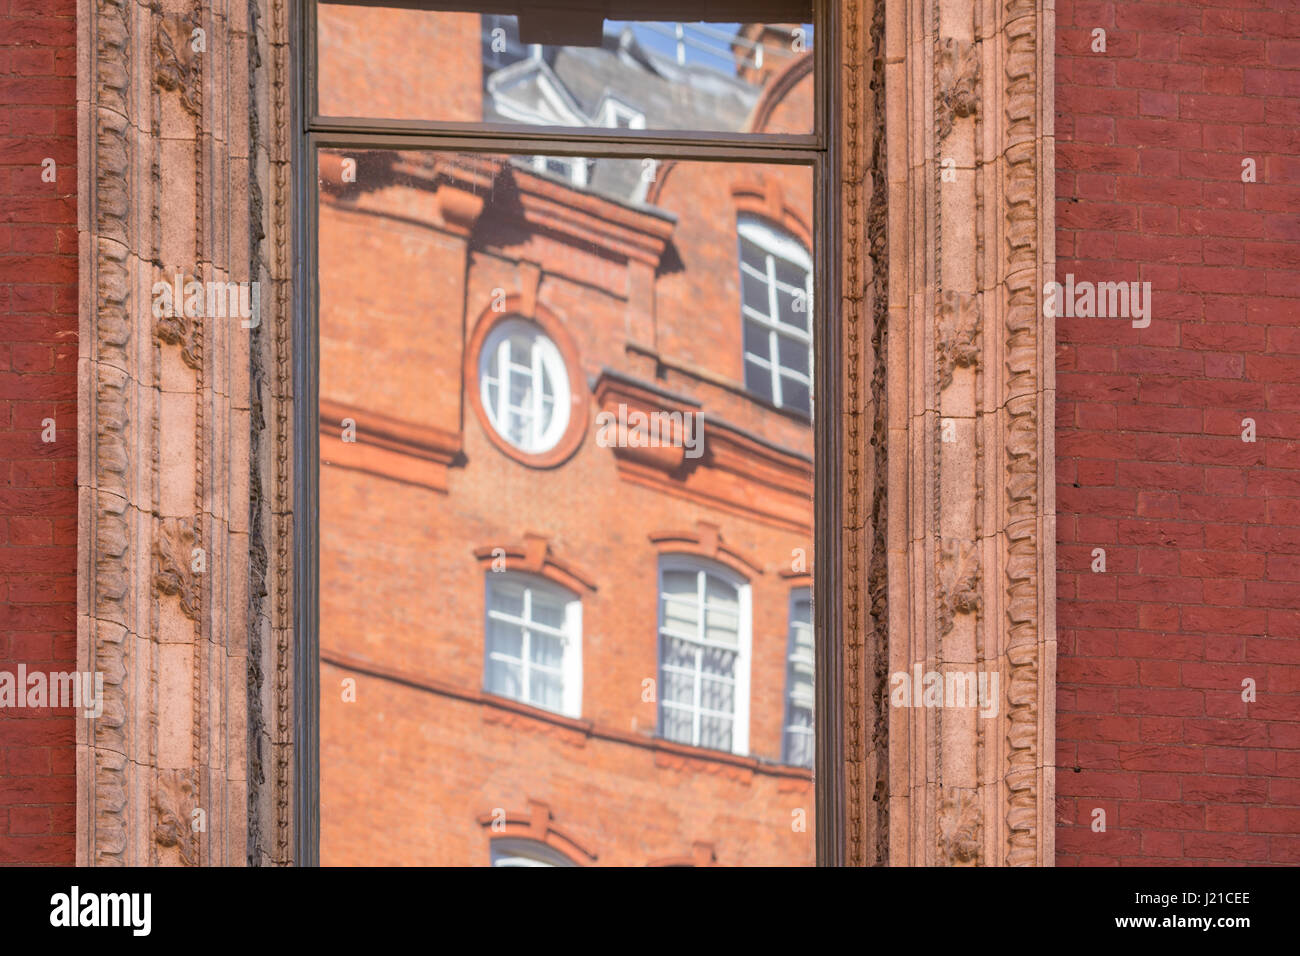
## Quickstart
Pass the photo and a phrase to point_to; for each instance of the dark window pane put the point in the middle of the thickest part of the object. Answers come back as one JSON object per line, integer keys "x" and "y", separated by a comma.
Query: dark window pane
{"x": 758, "y": 380}
{"x": 795, "y": 394}
{"x": 758, "y": 339}
{"x": 793, "y": 353}
{"x": 790, "y": 274}
{"x": 754, "y": 292}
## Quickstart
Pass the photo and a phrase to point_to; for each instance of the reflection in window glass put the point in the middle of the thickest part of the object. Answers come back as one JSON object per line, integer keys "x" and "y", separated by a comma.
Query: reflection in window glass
{"x": 558, "y": 523}
{"x": 703, "y": 639}
{"x": 577, "y": 70}
{"x": 776, "y": 301}
{"x": 533, "y": 644}
{"x": 799, "y": 741}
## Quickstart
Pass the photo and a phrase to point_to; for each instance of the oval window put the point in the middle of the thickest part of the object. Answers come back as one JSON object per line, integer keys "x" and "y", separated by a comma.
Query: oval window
{"x": 524, "y": 386}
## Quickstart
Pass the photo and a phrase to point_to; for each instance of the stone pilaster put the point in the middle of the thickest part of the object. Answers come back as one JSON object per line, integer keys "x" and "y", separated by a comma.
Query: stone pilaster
{"x": 175, "y": 173}
{"x": 947, "y": 233}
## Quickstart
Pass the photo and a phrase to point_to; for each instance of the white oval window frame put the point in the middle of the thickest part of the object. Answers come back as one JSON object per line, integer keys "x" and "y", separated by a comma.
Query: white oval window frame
{"x": 548, "y": 353}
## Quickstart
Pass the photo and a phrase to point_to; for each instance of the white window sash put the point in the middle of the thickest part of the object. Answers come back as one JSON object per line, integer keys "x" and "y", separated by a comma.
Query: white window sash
{"x": 774, "y": 246}
{"x": 738, "y": 716}
{"x": 570, "y": 635}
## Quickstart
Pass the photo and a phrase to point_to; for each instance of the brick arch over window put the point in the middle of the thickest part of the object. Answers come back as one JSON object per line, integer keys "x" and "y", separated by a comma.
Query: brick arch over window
{"x": 702, "y": 854}
{"x": 525, "y": 306}
{"x": 535, "y": 556}
{"x": 763, "y": 198}
{"x": 536, "y": 824}
{"x": 777, "y": 88}
{"x": 705, "y": 541}
{"x": 752, "y": 192}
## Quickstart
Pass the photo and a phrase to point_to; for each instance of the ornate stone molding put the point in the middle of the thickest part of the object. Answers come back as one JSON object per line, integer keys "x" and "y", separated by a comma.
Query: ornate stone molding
{"x": 174, "y": 560}
{"x": 968, "y": 405}
{"x": 958, "y": 331}
{"x": 179, "y": 116}
{"x": 946, "y": 157}
{"x": 957, "y": 94}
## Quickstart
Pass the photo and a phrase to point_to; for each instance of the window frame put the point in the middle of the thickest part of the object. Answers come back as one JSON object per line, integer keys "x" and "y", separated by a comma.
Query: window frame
{"x": 570, "y": 668}
{"x": 612, "y": 109}
{"x": 544, "y": 352}
{"x": 524, "y": 853}
{"x": 703, "y": 567}
{"x": 797, "y": 595}
{"x": 819, "y": 150}
{"x": 776, "y": 244}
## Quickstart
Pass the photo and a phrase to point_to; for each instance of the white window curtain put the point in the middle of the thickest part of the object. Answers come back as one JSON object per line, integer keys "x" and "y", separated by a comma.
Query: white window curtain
{"x": 799, "y": 740}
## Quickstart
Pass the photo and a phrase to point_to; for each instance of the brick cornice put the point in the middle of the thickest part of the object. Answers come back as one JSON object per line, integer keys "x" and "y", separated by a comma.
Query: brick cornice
{"x": 735, "y": 471}
{"x": 403, "y": 451}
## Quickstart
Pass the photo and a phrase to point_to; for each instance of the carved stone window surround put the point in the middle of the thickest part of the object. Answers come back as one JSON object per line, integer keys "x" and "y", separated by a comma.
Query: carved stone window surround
{"x": 186, "y": 542}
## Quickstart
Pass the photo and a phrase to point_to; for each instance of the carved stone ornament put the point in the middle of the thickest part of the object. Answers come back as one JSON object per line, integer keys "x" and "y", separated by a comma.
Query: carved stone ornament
{"x": 173, "y": 563}
{"x": 959, "y": 71}
{"x": 176, "y": 57}
{"x": 959, "y": 582}
{"x": 174, "y": 815}
{"x": 184, "y": 436}
{"x": 968, "y": 493}
{"x": 958, "y": 347}
{"x": 182, "y": 330}
{"x": 960, "y": 823}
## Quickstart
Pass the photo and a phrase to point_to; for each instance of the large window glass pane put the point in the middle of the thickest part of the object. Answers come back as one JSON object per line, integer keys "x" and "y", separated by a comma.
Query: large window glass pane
{"x": 616, "y": 67}
{"x": 561, "y": 510}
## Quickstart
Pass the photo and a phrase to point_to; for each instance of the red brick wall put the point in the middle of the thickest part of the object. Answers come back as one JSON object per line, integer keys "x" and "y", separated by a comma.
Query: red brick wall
{"x": 1201, "y": 530}
{"x": 38, "y": 380}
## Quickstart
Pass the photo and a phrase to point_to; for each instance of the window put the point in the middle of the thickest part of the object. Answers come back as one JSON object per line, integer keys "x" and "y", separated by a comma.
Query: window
{"x": 524, "y": 386}
{"x": 704, "y": 655}
{"x": 618, "y": 115}
{"x": 799, "y": 700}
{"x": 572, "y": 168}
{"x": 534, "y": 637}
{"x": 528, "y": 254}
{"x": 514, "y": 852}
{"x": 776, "y": 308}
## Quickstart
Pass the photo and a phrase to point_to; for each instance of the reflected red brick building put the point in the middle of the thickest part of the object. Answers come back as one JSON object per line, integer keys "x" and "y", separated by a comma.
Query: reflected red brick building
{"x": 544, "y": 641}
